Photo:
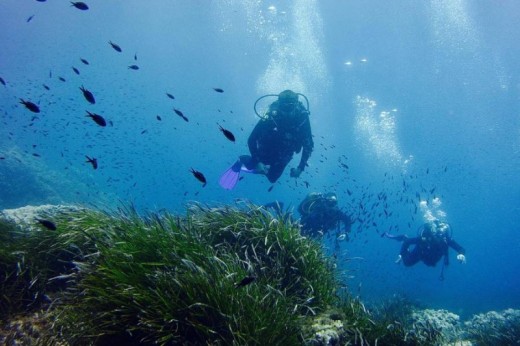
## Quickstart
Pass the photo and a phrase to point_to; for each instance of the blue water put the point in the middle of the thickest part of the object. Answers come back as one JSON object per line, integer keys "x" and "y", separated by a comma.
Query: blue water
{"x": 420, "y": 99}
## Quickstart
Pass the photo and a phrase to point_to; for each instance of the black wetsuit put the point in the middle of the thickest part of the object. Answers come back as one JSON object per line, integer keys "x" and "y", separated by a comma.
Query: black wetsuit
{"x": 274, "y": 140}
{"x": 429, "y": 250}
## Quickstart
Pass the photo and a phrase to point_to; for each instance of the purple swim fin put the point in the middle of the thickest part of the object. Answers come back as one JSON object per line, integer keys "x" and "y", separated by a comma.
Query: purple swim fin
{"x": 229, "y": 179}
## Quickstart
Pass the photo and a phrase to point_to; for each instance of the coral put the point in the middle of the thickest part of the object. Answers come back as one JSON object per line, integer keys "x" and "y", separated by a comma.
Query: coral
{"x": 494, "y": 328}
{"x": 429, "y": 324}
{"x": 326, "y": 329}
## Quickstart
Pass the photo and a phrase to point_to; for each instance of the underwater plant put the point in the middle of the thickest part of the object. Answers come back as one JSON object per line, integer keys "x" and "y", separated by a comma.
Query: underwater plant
{"x": 31, "y": 257}
{"x": 227, "y": 275}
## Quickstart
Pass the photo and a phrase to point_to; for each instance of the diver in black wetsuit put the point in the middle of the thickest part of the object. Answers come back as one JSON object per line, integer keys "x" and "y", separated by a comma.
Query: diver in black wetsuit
{"x": 433, "y": 242}
{"x": 320, "y": 214}
{"x": 283, "y": 131}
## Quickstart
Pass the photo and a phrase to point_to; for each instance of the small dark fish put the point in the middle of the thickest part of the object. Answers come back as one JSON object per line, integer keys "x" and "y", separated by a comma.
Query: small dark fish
{"x": 92, "y": 161}
{"x": 159, "y": 117}
{"x": 98, "y": 119}
{"x": 218, "y": 90}
{"x": 200, "y": 177}
{"x": 46, "y": 87}
{"x": 88, "y": 95}
{"x": 62, "y": 79}
{"x": 30, "y": 106}
{"x": 36, "y": 155}
{"x": 84, "y": 61}
{"x": 115, "y": 46}
{"x": 41, "y": 0}
{"x": 80, "y": 5}
{"x": 144, "y": 131}
{"x": 245, "y": 281}
{"x": 2, "y": 81}
{"x": 47, "y": 224}
{"x": 135, "y": 56}
{"x": 76, "y": 71}
{"x": 227, "y": 133}
{"x": 179, "y": 113}
{"x": 270, "y": 188}
{"x": 170, "y": 96}
{"x": 30, "y": 18}
{"x": 133, "y": 67}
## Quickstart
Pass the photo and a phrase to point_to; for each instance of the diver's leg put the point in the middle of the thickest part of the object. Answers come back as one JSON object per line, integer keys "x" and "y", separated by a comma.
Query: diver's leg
{"x": 248, "y": 161}
{"x": 410, "y": 258}
{"x": 275, "y": 171}
{"x": 252, "y": 165}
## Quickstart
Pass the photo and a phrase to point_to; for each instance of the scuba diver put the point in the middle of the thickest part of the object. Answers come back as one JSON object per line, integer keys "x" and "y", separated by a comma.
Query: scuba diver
{"x": 320, "y": 214}
{"x": 284, "y": 130}
{"x": 433, "y": 241}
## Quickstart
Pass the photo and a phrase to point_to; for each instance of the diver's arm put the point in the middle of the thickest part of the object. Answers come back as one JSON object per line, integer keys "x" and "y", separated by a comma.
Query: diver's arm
{"x": 455, "y": 246}
{"x": 308, "y": 145}
{"x": 461, "y": 257}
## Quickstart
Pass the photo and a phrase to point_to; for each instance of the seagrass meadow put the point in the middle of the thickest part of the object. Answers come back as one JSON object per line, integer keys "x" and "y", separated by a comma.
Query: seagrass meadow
{"x": 227, "y": 275}
{"x": 159, "y": 278}
{"x": 128, "y": 215}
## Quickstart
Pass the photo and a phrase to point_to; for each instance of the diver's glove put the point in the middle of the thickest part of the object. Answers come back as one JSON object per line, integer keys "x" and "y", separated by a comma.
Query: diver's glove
{"x": 295, "y": 172}
{"x": 461, "y": 258}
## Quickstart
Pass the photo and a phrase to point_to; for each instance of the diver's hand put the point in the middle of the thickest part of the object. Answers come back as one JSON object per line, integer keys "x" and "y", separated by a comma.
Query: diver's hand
{"x": 295, "y": 172}
{"x": 461, "y": 258}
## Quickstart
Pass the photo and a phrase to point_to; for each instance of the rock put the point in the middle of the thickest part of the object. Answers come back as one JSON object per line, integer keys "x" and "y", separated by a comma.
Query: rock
{"x": 25, "y": 217}
{"x": 24, "y": 329}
